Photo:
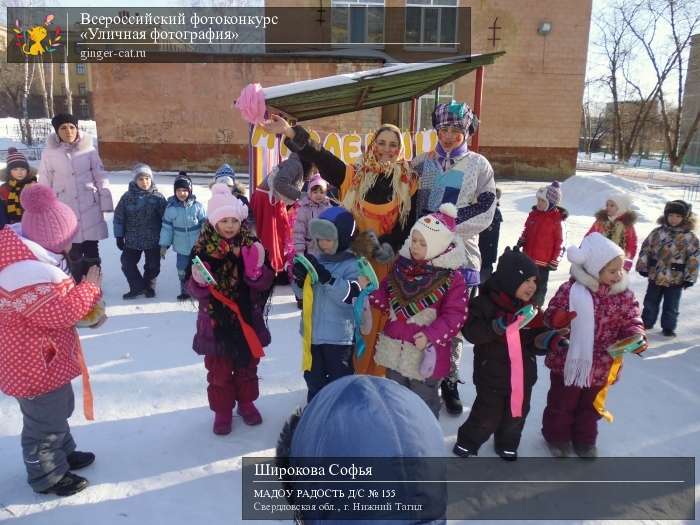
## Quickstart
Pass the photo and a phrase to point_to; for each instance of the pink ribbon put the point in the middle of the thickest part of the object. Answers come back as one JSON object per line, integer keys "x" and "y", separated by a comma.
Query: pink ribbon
{"x": 515, "y": 354}
{"x": 251, "y": 103}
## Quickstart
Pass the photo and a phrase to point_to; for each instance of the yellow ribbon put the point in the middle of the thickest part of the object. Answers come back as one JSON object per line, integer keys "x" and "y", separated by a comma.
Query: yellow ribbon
{"x": 306, "y": 315}
{"x": 599, "y": 401}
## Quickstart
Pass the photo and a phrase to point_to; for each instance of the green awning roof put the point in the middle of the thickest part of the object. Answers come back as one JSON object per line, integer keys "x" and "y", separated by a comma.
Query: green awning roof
{"x": 323, "y": 97}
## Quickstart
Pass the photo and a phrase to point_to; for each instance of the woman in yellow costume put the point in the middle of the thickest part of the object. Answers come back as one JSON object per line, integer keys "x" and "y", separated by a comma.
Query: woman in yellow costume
{"x": 379, "y": 191}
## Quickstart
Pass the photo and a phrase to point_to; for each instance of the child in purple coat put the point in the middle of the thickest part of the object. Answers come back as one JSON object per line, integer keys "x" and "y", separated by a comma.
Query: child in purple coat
{"x": 426, "y": 298}
{"x": 237, "y": 261}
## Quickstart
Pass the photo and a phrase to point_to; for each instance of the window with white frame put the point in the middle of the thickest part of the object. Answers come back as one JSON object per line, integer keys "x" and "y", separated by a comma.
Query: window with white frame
{"x": 425, "y": 106}
{"x": 82, "y": 89}
{"x": 357, "y": 22}
{"x": 80, "y": 69}
{"x": 431, "y": 22}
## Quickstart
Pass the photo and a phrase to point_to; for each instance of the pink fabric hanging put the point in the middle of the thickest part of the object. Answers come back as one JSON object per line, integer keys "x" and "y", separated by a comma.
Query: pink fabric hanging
{"x": 515, "y": 354}
{"x": 251, "y": 103}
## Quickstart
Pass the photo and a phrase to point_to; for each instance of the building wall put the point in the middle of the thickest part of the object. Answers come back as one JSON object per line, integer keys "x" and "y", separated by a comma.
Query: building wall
{"x": 180, "y": 116}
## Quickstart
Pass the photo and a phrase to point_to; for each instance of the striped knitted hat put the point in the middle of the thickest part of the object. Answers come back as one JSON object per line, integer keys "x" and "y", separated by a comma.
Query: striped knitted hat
{"x": 16, "y": 160}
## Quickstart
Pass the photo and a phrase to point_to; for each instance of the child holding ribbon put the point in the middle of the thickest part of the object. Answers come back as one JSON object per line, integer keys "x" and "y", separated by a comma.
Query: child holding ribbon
{"x": 329, "y": 330}
{"x": 506, "y": 339}
{"x": 426, "y": 299}
{"x": 601, "y": 310}
{"x": 230, "y": 308}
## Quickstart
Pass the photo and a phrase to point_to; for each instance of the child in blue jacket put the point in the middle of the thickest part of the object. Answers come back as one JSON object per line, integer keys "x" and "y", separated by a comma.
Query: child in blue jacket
{"x": 333, "y": 323}
{"x": 182, "y": 221}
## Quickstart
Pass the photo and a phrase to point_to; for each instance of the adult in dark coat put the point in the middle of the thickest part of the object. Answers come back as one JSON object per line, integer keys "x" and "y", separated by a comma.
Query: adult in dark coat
{"x": 488, "y": 241}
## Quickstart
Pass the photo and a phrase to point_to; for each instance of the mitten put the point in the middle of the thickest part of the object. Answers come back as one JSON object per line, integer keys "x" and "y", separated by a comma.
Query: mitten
{"x": 299, "y": 272}
{"x": 561, "y": 319}
{"x": 687, "y": 284}
{"x": 163, "y": 251}
{"x": 253, "y": 259}
{"x": 627, "y": 265}
{"x": 120, "y": 243}
{"x": 550, "y": 340}
{"x": 384, "y": 253}
{"x": 552, "y": 266}
{"x": 500, "y": 324}
{"x": 324, "y": 276}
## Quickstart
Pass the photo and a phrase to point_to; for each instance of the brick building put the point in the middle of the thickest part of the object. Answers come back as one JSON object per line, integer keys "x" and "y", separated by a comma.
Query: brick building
{"x": 180, "y": 116}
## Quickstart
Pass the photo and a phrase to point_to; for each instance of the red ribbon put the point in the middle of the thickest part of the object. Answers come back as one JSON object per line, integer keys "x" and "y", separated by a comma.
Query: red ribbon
{"x": 251, "y": 337}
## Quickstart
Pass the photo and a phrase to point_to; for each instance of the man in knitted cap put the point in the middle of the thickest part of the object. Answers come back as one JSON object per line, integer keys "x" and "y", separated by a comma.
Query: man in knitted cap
{"x": 544, "y": 235}
{"x": 16, "y": 176}
{"x": 39, "y": 348}
{"x": 452, "y": 173}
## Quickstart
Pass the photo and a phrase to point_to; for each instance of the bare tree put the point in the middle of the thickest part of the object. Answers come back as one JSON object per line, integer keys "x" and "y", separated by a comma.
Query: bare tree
{"x": 51, "y": 104}
{"x": 25, "y": 124}
{"x": 594, "y": 124}
{"x": 42, "y": 82}
{"x": 650, "y": 21}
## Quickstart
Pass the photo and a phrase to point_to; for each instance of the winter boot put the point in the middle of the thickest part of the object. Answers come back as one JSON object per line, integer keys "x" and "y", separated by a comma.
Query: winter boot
{"x": 70, "y": 484}
{"x": 669, "y": 333}
{"x": 464, "y": 452}
{"x": 150, "y": 290}
{"x": 78, "y": 460}
{"x": 183, "y": 292}
{"x": 507, "y": 454}
{"x": 132, "y": 294}
{"x": 559, "y": 450}
{"x": 450, "y": 395}
{"x": 586, "y": 451}
{"x": 249, "y": 413}
{"x": 223, "y": 423}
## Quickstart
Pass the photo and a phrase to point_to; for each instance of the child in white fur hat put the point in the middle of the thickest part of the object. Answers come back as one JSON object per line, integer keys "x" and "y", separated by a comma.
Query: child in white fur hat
{"x": 601, "y": 310}
{"x": 616, "y": 222}
{"x": 426, "y": 298}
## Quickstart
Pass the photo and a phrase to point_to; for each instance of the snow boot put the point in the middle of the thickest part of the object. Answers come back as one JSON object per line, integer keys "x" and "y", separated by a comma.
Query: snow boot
{"x": 559, "y": 450}
{"x": 132, "y": 294}
{"x": 183, "y": 291}
{"x": 249, "y": 413}
{"x": 223, "y": 423}
{"x": 70, "y": 484}
{"x": 464, "y": 452}
{"x": 586, "y": 451}
{"x": 78, "y": 460}
{"x": 669, "y": 333}
{"x": 450, "y": 395}
{"x": 507, "y": 454}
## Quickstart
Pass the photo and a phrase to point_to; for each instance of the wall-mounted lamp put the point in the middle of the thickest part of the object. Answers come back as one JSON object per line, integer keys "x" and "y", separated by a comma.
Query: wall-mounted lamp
{"x": 544, "y": 28}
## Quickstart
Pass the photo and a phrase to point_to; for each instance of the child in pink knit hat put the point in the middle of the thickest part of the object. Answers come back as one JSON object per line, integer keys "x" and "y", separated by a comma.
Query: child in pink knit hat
{"x": 39, "y": 346}
{"x": 239, "y": 265}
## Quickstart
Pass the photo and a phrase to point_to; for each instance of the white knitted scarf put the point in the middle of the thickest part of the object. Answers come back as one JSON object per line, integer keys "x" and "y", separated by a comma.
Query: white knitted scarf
{"x": 579, "y": 358}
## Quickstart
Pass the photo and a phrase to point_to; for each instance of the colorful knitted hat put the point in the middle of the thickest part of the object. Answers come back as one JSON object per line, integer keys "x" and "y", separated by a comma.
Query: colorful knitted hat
{"x": 552, "y": 194}
{"x": 456, "y": 115}
{"x": 16, "y": 160}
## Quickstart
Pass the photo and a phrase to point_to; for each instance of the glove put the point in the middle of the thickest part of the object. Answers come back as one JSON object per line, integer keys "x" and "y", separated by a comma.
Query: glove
{"x": 550, "y": 341}
{"x": 644, "y": 274}
{"x": 561, "y": 319}
{"x": 253, "y": 260}
{"x": 687, "y": 284}
{"x": 643, "y": 348}
{"x": 197, "y": 276}
{"x": 163, "y": 251}
{"x": 384, "y": 253}
{"x": 552, "y": 267}
{"x": 299, "y": 272}
{"x": 120, "y": 243}
{"x": 500, "y": 324}
{"x": 324, "y": 276}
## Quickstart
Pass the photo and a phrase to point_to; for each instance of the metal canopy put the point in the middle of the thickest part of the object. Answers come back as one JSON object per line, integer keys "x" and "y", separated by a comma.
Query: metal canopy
{"x": 323, "y": 97}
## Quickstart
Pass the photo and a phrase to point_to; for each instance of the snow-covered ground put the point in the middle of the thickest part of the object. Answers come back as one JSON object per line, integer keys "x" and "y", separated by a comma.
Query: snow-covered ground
{"x": 159, "y": 462}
